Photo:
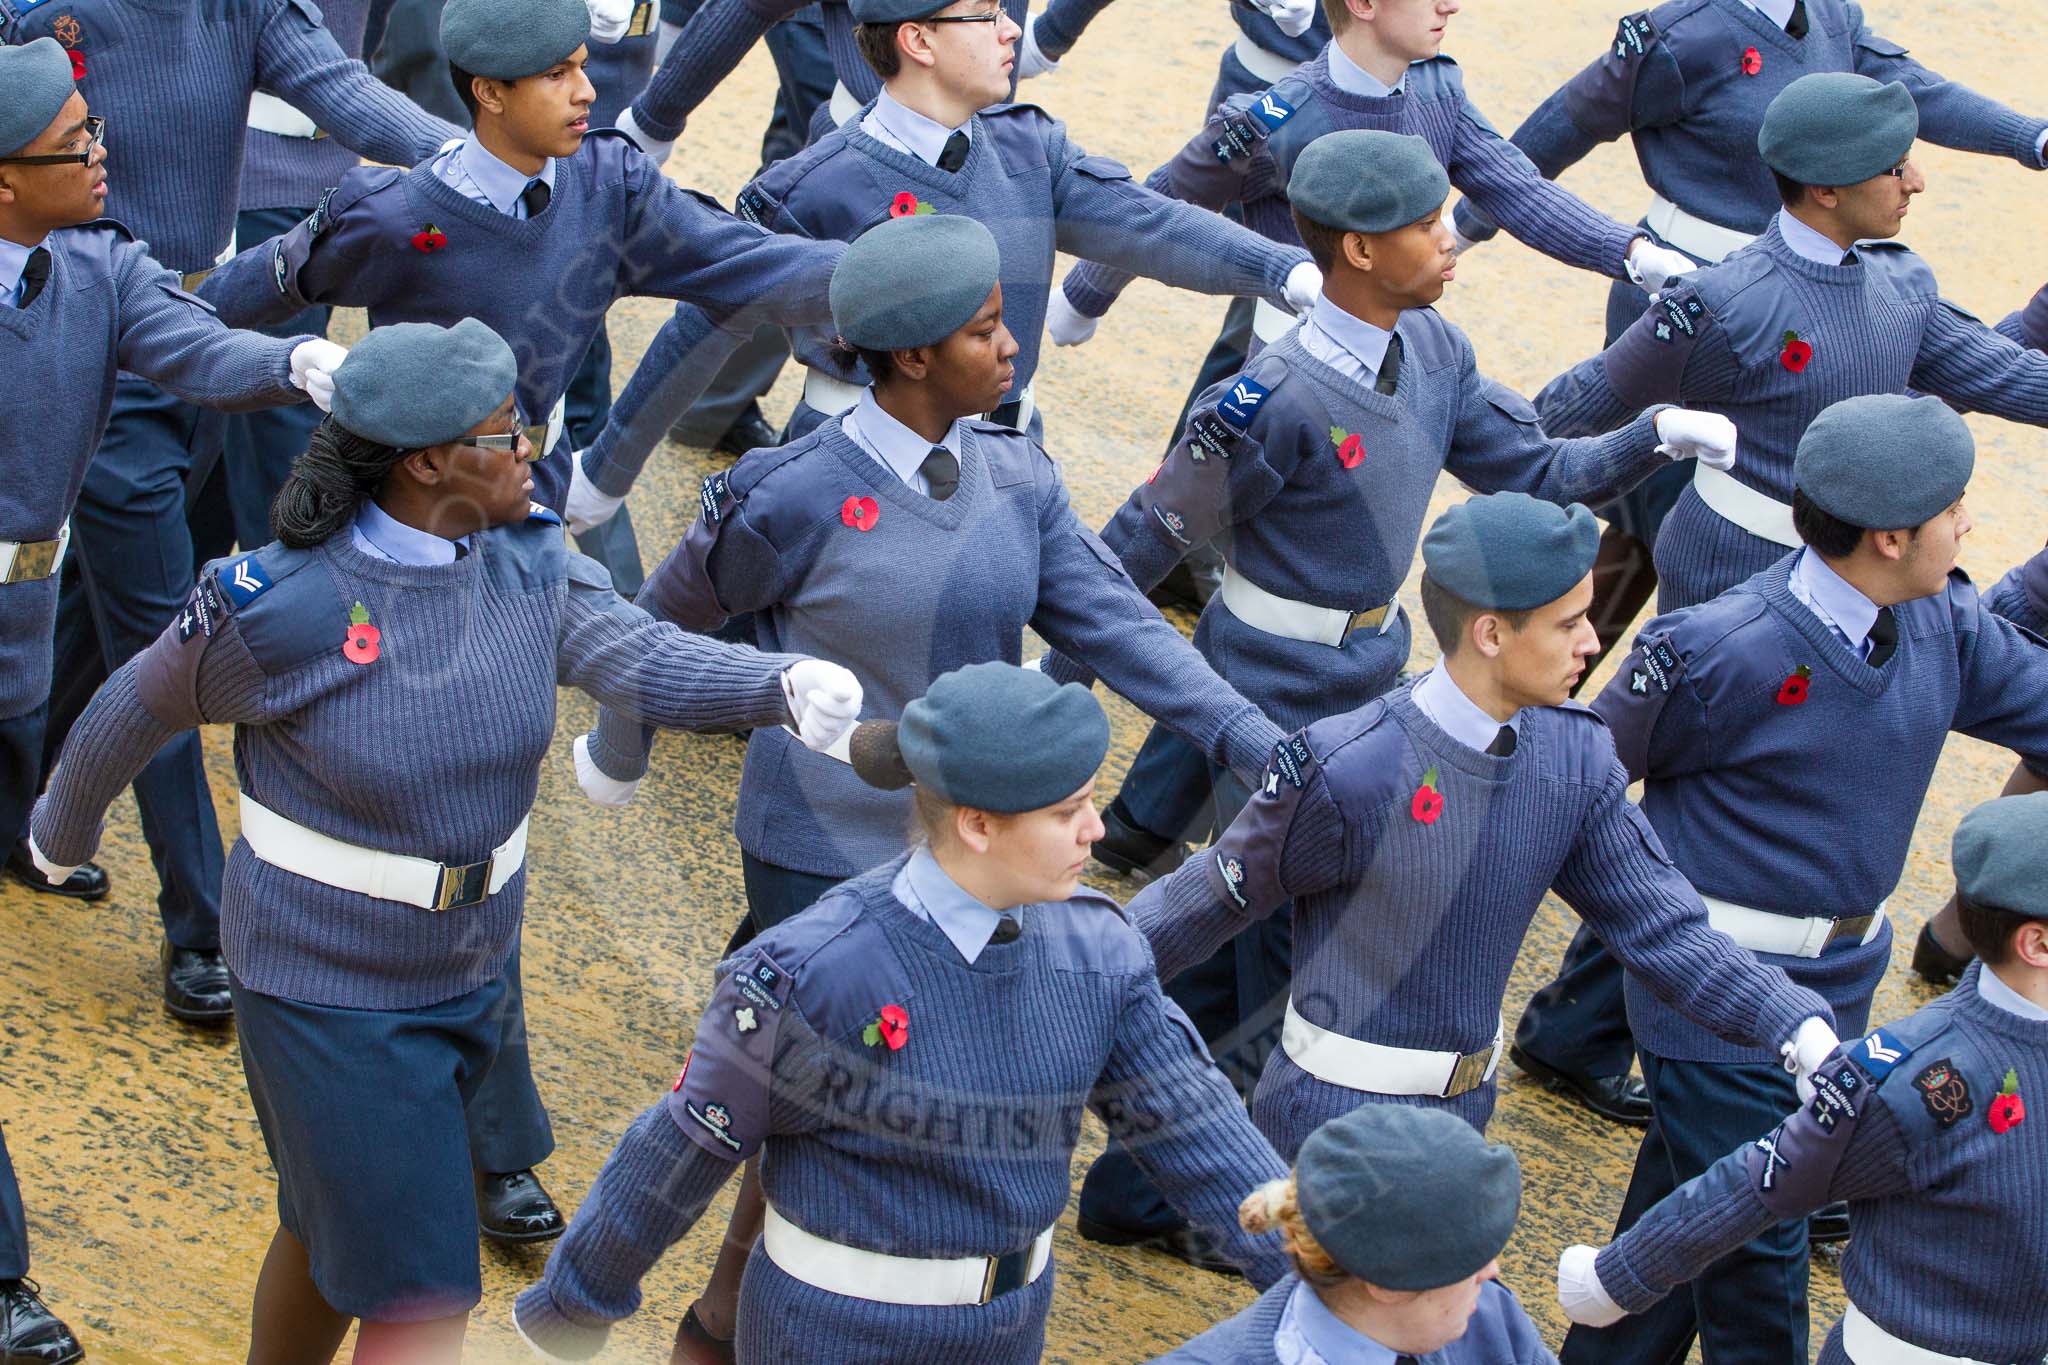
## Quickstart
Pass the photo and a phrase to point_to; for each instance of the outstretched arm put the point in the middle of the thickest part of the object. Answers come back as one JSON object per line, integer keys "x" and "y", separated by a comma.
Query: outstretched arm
{"x": 709, "y": 48}
{"x": 298, "y": 60}
{"x": 183, "y": 346}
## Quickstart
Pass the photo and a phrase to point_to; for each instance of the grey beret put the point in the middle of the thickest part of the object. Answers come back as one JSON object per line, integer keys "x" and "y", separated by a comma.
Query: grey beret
{"x": 1364, "y": 180}
{"x": 1405, "y": 1198}
{"x": 1838, "y": 128}
{"x": 894, "y": 11}
{"x": 1884, "y": 461}
{"x": 913, "y": 281}
{"x": 39, "y": 74}
{"x": 2000, "y": 854}
{"x": 414, "y": 385}
{"x": 1509, "y": 551}
{"x": 1002, "y": 738}
{"x": 509, "y": 39}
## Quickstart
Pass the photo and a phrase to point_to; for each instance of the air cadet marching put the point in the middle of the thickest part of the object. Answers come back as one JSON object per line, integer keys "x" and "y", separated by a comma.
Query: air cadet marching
{"x": 1922, "y": 1126}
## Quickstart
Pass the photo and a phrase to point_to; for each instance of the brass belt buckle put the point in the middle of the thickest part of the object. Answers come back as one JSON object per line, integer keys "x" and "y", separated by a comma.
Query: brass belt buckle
{"x": 1469, "y": 1073}
{"x": 192, "y": 279}
{"x": 1855, "y": 926}
{"x": 33, "y": 560}
{"x": 462, "y": 887}
{"x": 642, "y": 22}
{"x": 1370, "y": 619}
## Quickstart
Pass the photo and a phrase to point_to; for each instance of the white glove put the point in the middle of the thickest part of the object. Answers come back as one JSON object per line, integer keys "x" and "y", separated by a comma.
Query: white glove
{"x": 1579, "y": 1291}
{"x": 609, "y": 19}
{"x": 605, "y": 791}
{"x": 1031, "y": 59}
{"x": 1812, "y": 1045}
{"x": 1460, "y": 243}
{"x": 1063, "y": 324}
{"x": 313, "y": 365}
{"x": 824, "y": 699}
{"x": 1652, "y": 267}
{"x": 57, "y": 873}
{"x": 586, "y": 505}
{"x": 1292, "y": 16}
{"x": 1036, "y": 665}
{"x": 1303, "y": 287}
{"x": 1707, "y": 437}
{"x": 645, "y": 141}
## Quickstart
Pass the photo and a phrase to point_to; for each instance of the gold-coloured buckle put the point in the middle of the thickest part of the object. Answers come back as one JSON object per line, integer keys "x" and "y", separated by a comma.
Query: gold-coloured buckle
{"x": 462, "y": 887}
{"x": 1469, "y": 1073}
{"x": 1855, "y": 926}
{"x": 192, "y": 279}
{"x": 1369, "y": 620}
{"x": 33, "y": 560}
{"x": 988, "y": 1279}
{"x": 642, "y": 22}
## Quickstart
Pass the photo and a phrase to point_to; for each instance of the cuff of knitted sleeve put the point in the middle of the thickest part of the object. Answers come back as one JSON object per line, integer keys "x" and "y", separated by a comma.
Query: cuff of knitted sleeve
{"x": 1265, "y": 266}
{"x": 619, "y": 746}
{"x": 552, "y": 1335}
{"x": 1473, "y": 224}
{"x": 1062, "y": 669}
{"x": 1248, "y": 742}
{"x": 2025, "y": 134}
{"x": 1088, "y": 301}
{"x": 1621, "y": 1282}
{"x": 654, "y": 125}
{"x": 1781, "y": 1014}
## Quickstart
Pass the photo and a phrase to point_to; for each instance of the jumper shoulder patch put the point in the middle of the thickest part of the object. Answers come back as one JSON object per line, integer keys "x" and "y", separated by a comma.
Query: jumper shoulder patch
{"x": 1271, "y": 110}
{"x": 1632, "y": 39}
{"x": 540, "y": 511}
{"x": 244, "y": 581}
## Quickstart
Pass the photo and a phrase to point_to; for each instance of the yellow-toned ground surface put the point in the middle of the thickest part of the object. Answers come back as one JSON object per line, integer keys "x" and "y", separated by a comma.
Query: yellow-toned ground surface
{"x": 150, "y": 1198}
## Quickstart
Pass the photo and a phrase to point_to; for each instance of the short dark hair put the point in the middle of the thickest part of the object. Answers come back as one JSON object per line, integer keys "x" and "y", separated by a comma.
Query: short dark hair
{"x": 1989, "y": 928}
{"x": 1448, "y": 615}
{"x": 1324, "y": 243}
{"x": 465, "y": 89}
{"x": 877, "y": 43}
{"x": 1791, "y": 193}
{"x": 1339, "y": 15}
{"x": 1830, "y": 537}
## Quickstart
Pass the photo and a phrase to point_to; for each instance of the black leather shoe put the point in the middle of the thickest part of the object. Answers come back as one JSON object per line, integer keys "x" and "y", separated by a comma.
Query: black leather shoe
{"x": 1129, "y": 849}
{"x": 696, "y": 1346}
{"x": 1184, "y": 1243}
{"x": 196, "y": 984}
{"x": 1619, "y": 1099}
{"x": 511, "y": 1206}
{"x": 88, "y": 883}
{"x": 30, "y": 1334}
{"x": 749, "y": 431}
{"x": 1828, "y": 1225}
{"x": 1932, "y": 962}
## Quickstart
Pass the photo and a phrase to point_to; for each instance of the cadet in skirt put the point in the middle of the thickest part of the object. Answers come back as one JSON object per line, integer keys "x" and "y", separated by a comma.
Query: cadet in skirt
{"x": 911, "y": 1057}
{"x": 390, "y": 666}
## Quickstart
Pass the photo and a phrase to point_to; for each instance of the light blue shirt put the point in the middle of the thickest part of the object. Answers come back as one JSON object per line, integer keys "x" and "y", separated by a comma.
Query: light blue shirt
{"x": 13, "y": 260}
{"x": 1354, "y": 79}
{"x": 1351, "y": 346}
{"x": 1310, "y": 1334}
{"x": 1778, "y": 12}
{"x": 1996, "y": 992}
{"x": 894, "y": 125}
{"x": 1839, "y": 604}
{"x": 1456, "y": 714}
{"x": 1815, "y": 246}
{"x": 381, "y": 536}
{"x": 471, "y": 170}
{"x": 896, "y": 447}
{"x": 925, "y": 889}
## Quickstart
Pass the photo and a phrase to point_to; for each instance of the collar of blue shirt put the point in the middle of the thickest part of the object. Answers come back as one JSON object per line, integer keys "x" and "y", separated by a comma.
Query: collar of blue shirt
{"x": 1355, "y": 336}
{"x": 897, "y": 447}
{"x": 908, "y": 131}
{"x": 1808, "y": 242}
{"x": 1457, "y": 715}
{"x": 13, "y": 260}
{"x": 496, "y": 183}
{"x": 381, "y": 536}
{"x": 925, "y": 889}
{"x": 1328, "y": 1338}
{"x": 1778, "y": 12}
{"x": 1354, "y": 79}
{"x": 1992, "y": 987}
{"x": 1839, "y": 603}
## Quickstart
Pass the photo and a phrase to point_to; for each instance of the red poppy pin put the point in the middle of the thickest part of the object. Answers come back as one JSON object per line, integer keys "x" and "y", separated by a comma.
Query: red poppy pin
{"x": 1752, "y": 61}
{"x": 1427, "y": 803}
{"x": 2008, "y": 1111}
{"x": 1797, "y": 355}
{"x": 1350, "y": 447}
{"x": 77, "y": 63}
{"x": 891, "y": 1026}
{"x": 429, "y": 239}
{"x": 364, "y": 641}
{"x": 1792, "y": 691}
{"x": 860, "y": 513}
{"x": 906, "y": 205}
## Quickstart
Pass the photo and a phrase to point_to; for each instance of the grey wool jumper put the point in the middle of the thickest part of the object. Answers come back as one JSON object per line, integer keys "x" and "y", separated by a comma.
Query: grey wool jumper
{"x": 1950, "y": 1251}
{"x": 281, "y": 172}
{"x": 107, "y": 307}
{"x": 1719, "y": 341}
{"x": 1409, "y": 912}
{"x": 431, "y": 747}
{"x": 839, "y": 558}
{"x": 958, "y": 1143}
{"x": 172, "y": 79}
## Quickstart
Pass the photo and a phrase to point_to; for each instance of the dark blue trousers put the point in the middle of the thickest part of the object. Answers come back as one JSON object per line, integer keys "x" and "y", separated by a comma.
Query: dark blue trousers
{"x": 402, "y": 44}
{"x": 13, "y": 1222}
{"x": 261, "y": 446}
{"x": 585, "y": 407}
{"x": 21, "y": 760}
{"x": 1749, "y": 1308}
{"x": 1236, "y": 999}
{"x": 508, "y": 1125}
{"x": 774, "y": 893}
{"x": 129, "y": 569}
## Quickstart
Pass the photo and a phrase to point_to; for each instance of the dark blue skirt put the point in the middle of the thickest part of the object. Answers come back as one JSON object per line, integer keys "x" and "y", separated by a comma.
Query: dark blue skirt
{"x": 362, "y": 1111}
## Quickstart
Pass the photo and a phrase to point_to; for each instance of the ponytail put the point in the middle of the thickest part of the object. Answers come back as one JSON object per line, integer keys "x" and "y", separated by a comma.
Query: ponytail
{"x": 880, "y": 365}
{"x": 1276, "y": 1205}
{"x": 328, "y": 484}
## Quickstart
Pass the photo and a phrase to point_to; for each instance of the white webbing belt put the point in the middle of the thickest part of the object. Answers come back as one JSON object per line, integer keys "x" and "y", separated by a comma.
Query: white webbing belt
{"x": 882, "y": 1278}
{"x": 1262, "y": 62}
{"x": 23, "y": 561}
{"x": 373, "y": 872}
{"x": 1277, "y": 615}
{"x": 1868, "y": 1344}
{"x": 844, "y": 106}
{"x": 1710, "y": 242}
{"x": 1759, "y": 514}
{"x": 1378, "y": 1070}
{"x": 1270, "y": 321}
{"x": 1760, "y": 931}
{"x": 269, "y": 114}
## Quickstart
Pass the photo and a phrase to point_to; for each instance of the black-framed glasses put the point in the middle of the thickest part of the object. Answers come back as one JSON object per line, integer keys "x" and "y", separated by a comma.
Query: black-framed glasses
{"x": 993, "y": 16}
{"x": 520, "y": 441}
{"x": 96, "y": 129}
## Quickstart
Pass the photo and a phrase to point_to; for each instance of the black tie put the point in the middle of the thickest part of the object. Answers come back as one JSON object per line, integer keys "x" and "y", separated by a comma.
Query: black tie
{"x": 1007, "y": 930}
{"x": 35, "y": 273}
{"x": 1883, "y": 637}
{"x": 953, "y": 155}
{"x": 1848, "y": 258}
{"x": 461, "y": 552}
{"x": 1406, "y": 1360}
{"x": 1390, "y": 366}
{"x": 535, "y": 197}
{"x": 1796, "y": 25}
{"x": 941, "y": 473}
{"x": 1503, "y": 742}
